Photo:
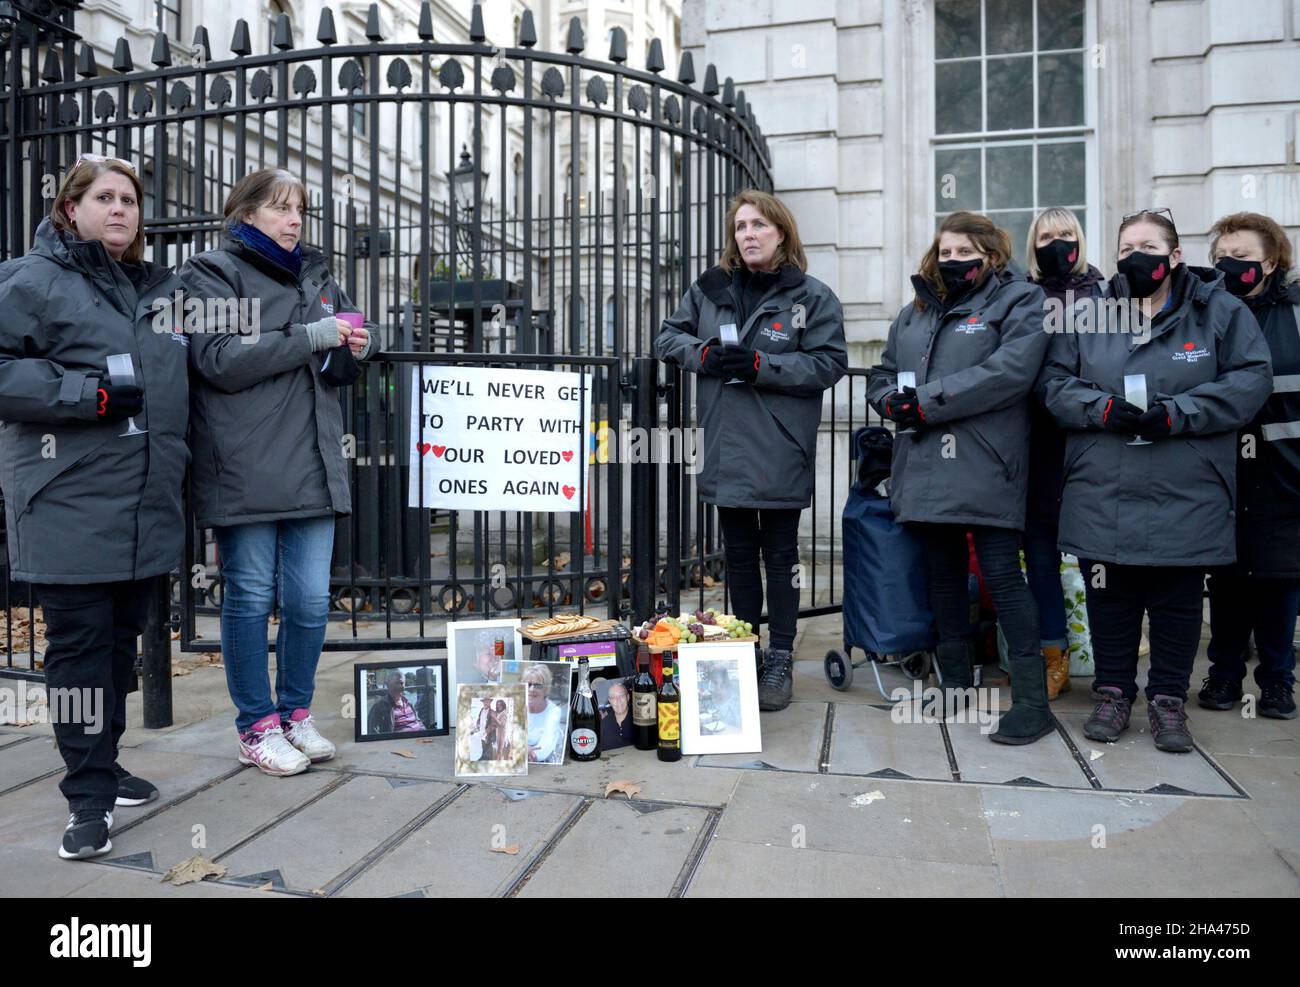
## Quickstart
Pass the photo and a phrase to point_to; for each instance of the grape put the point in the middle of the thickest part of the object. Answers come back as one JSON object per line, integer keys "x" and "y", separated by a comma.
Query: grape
{"x": 643, "y": 634}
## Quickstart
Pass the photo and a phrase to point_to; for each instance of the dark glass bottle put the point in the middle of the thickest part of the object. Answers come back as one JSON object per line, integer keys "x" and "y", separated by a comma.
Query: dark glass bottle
{"x": 669, "y": 708}
{"x": 584, "y": 718}
{"x": 645, "y": 717}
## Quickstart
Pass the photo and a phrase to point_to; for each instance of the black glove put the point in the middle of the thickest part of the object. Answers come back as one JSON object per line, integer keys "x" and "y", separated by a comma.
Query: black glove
{"x": 711, "y": 360}
{"x": 740, "y": 362}
{"x": 1120, "y": 416}
{"x": 904, "y": 408}
{"x": 1155, "y": 423}
{"x": 117, "y": 402}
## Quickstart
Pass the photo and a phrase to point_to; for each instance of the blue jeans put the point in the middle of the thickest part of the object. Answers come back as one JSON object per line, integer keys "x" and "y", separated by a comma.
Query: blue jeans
{"x": 1240, "y": 604}
{"x": 276, "y": 561}
{"x": 1043, "y": 571}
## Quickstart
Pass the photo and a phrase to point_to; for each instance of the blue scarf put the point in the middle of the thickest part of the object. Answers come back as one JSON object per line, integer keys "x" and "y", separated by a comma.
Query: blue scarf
{"x": 255, "y": 239}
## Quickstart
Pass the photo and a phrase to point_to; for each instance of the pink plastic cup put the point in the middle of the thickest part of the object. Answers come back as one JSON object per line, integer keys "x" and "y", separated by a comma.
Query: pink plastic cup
{"x": 354, "y": 319}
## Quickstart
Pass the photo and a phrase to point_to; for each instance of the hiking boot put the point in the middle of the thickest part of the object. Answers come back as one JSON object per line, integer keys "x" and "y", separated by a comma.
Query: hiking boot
{"x": 86, "y": 835}
{"x": 1169, "y": 729}
{"x": 1219, "y": 693}
{"x": 776, "y": 685}
{"x": 132, "y": 790}
{"x": 300, "y": 730}
{"x": 1028, "y": 718}
{"x": 266, "y": 747}
{"x": 1109, "y": 717}
{"x": 1058, "y": 671}
{"x": 1276, "y": 701}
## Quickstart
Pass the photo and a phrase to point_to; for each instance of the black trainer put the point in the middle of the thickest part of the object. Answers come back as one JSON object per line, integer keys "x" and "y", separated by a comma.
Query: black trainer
{"x": 1218, "y": 693}
{"x": 132, "y": 790}
{"x": 1276, "y": 701}
{"x": 776, "y": 686}
{"x": 86, "y": 835}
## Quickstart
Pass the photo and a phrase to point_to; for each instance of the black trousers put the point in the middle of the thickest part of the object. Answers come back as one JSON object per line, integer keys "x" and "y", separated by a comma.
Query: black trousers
{"x": 1240, "y": 605}
{"x": 1117, "y": 597}
{"x": 775, "y": 532}
{"x": 91, "y": 632}
{"x": 998, "y": 551}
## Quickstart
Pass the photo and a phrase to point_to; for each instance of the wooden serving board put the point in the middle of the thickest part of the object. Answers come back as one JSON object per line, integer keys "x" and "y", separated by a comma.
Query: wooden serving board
{"x": 600, "y": 627}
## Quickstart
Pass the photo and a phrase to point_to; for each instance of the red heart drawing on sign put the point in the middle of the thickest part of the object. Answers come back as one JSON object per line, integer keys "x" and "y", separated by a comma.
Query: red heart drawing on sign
{"x": 1158, "y": 273}
{"x": 568, "y": 455}
{"x": 439, "y": 450}
{"x": 1249, "y": 276}
{"x": 424, "y": 448}
{"x": 569, "y": 491}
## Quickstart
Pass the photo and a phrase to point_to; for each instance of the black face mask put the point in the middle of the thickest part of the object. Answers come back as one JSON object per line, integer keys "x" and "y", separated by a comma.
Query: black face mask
{"x": 959, "y": 275}
{"x": 1145, "y": 272}
{"x": 1241, "y": 277}
{"x": 1057, "y": 259}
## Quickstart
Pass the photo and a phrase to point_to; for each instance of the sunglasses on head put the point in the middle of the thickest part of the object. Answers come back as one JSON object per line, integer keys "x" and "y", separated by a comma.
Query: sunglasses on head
{"x": 100, "y": 159}
{"x": 1167, "y": 213}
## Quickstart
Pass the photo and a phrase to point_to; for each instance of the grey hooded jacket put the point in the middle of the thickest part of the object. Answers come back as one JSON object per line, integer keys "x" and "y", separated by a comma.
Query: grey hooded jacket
{"x": 83, "y": 502}
{"x": 1172, "y": 502}
{"x": 975, "y": 365}
{"x": 266, "y": 430}
{"x": 760, "y": 439}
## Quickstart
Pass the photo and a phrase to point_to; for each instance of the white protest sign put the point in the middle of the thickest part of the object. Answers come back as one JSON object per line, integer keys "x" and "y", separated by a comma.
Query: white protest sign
{"x": 490, "y": 439}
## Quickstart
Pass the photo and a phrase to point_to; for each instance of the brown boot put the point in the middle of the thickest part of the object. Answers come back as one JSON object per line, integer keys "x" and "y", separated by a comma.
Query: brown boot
{"x": 1058, "y": 671}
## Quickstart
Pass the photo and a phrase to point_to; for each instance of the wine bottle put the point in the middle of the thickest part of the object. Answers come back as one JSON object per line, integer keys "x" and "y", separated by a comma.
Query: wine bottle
{"x": 669, "y": 708}
{"x": 584, "y": 718}
{"x": 645, "y": 718}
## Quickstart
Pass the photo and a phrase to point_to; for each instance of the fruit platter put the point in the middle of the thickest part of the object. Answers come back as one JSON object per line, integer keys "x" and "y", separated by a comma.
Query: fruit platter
{"x": 665, "y": 633}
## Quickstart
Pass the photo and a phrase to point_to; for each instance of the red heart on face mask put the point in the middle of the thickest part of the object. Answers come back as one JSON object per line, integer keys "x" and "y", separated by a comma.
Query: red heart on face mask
{"x": 568, "y": 455}
{"x": 1159, "y": 272}
{"x": 569, "y": 492}
{"x": 1189, "y": 346}
{"x": 1073, "y": 255}
{"x": 971, "y": 274}
{"x": 1249, "y": 276}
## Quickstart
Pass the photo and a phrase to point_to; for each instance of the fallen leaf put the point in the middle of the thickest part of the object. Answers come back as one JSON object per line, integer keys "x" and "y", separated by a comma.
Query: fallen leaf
{"x": 264, "y": 887}
{"x": 196, "y": 868}
{"x": 425, "y": 740}
{"x": 866, "y": 798}
{"x": 403, "y": 753}
{"x": 512, "y": 849}
{"x": 628, "y": 788}
{"x": 318, "y": 891}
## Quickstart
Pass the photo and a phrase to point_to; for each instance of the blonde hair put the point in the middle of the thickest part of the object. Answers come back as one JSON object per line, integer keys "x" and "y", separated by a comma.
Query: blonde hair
{"x": 80, "y": 177}
{"x": 988, "y": 238}
{"x": 775, "y": 212}
{"x": 1060, "y": 219}
{"x": 539, "y": 674}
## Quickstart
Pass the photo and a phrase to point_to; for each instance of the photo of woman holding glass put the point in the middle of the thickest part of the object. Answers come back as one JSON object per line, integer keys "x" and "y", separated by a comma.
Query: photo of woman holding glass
{"x": 1151, "y": 395}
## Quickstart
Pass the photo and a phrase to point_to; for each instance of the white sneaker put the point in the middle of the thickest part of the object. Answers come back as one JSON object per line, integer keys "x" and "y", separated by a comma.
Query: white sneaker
{"x": 86, "y": 835}
{"x": 272, "y": 753}
{"x": 305, "y": 737}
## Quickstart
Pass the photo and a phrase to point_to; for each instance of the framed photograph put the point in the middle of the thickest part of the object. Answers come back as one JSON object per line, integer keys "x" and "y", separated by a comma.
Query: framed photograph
{"x": 476, "y": 648}
{"x": 614, "y": 702}
{"x": 491, "y": 730}
{"x": 546, "y": 689}
{"x": 397, "y": 700}
{"x": 719, "y": 688}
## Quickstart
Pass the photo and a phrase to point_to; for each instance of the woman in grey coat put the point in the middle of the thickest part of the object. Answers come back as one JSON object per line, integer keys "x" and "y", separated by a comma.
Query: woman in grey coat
{"x": 973, "y": 339}
{"x": 269, "y": 471}
{"x": 759, "y": 404}
{"x": 1148, "y": 517}
{"x": 92, "y": 506}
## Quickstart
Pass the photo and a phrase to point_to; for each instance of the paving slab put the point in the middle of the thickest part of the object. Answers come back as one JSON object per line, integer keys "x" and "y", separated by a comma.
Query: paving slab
{"x": 20, "y": 765}
{"x": 1047, "y": 761}
{"x": 1133, "y": 763}
{"x": 11, "y": 738}
{"x": 217, "y": 818}
{"x": 1157, "y": 846}
{"x": 35, "y": 870}
{"x": 619, "y": 850}
{"x": 35, "y": 814}
{"x": 121, "y": 882}
{"x": 792, "y": 741}
{"x": 1274, "y": 805}
{"x": 1228, "y": 732}
{"x": 322, "y": 841}
{"x": 935, "y": 821}
{"x": 434, "y": 759}
{"x": 732, "y": 869}
{"x": 452, "y": 856}
{"x": 865, "y": 739}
